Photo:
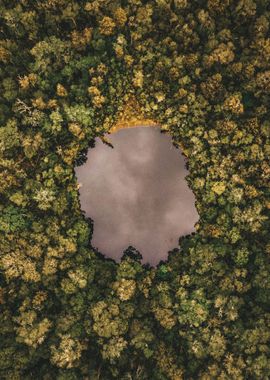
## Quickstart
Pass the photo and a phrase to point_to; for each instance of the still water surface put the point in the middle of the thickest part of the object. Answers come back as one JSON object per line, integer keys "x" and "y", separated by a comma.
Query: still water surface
{"x": 136, "y": 194}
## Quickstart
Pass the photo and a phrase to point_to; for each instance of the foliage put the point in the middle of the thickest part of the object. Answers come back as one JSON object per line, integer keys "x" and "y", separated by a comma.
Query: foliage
{"x": 201, "y": 69}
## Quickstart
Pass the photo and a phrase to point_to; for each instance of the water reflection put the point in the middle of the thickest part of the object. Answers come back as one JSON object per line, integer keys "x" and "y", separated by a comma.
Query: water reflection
{"x": 137, "y": 194}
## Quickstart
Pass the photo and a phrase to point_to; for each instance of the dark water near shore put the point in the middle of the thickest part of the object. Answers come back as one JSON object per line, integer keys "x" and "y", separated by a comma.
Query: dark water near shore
{"x": 137, "y": 194}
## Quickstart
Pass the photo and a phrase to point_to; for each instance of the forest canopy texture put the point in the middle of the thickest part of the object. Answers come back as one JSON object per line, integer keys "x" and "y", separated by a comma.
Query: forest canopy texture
{"x": 202, "y": 70}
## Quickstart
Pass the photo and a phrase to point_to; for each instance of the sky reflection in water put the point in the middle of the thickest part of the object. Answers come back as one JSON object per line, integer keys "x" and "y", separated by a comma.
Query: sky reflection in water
{"x": 137, "y": 194}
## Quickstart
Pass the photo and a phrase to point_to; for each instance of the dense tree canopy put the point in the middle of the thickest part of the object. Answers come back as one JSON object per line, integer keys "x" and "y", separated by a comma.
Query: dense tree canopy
{"x": 201, "y": 68}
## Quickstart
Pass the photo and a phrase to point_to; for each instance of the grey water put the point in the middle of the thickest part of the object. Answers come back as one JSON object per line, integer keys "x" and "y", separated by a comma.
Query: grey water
{"x": 136, "y": 194}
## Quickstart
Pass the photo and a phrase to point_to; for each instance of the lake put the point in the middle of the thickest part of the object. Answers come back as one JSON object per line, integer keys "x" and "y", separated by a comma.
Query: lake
{"x": 136, "y": 194}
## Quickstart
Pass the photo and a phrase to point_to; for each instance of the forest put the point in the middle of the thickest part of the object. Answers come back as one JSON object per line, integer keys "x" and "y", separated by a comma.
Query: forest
{"x": 201, "y": 69}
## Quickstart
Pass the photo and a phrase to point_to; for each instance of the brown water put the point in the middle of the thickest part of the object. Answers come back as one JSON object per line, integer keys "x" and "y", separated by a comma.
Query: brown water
{"x": 137, "y": 194}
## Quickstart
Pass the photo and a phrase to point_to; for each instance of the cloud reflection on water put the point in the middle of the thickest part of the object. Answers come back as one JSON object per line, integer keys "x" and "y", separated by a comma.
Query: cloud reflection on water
{"x": 137, "y": 194}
